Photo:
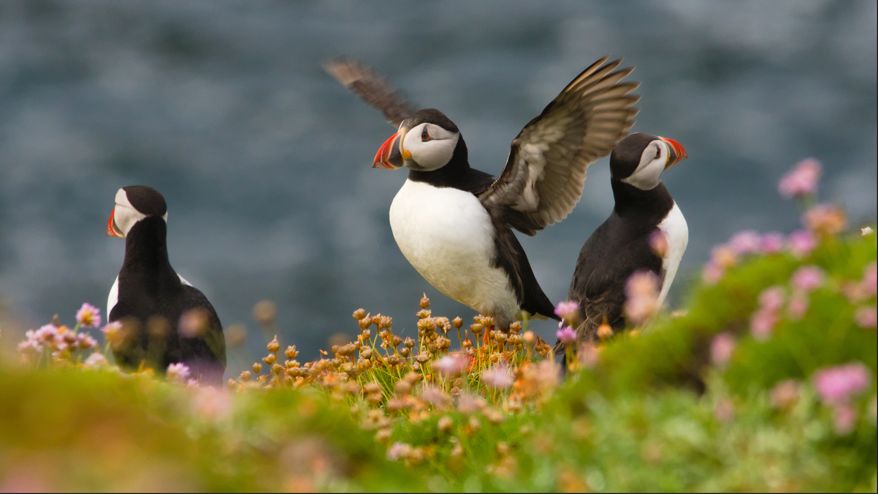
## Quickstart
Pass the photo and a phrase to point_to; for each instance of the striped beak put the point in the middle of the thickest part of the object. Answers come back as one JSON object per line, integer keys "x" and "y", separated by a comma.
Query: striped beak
{"x": 678, "y": 152}
{"x": 112, "y": 229}
{"x": 389, "y": 156}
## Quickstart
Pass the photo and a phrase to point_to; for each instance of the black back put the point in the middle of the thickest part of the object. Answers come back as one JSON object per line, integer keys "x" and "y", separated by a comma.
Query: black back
{"x": 150, "y": 303}
{"x": 615, "y": 251}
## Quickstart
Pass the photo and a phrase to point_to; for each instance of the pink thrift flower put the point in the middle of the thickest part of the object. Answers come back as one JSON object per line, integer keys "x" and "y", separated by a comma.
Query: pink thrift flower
{"x": 836, "y": 385}
{"x": 801, "y": 243}
{"x": 772, "y": 299}
{"x": 712, "y": 273}
{"x": 178, "y": 372}
{"x": 566, "y": 335}
{"x": 724, "y": 256}
{"x": 808, "y": 278}
{"x": 95, "y": 360}
{"x": 470, "y": 403}
{"x": 721, "y": 348}
{"x": 451, "y": 364}
{"x": 844, "y": 418}
{"x": 785, "y": 393}
{"x": 435, "y": 396}
{"x": 658, "y": 243}
{"x": 745, "y": 242}
{"x": 588, "y": 355}
{"x": 641, "y": 291}
{"x": 762, "y": 324}
{"x": 724, "y": 410}
{"x": 567, "y": 310}
{"x": 825, "y": 219}
{"x": 771, "y": 242}
{"x": 801, "y": 180}
{"x": 798, "y": 304}
{"x": 866, "y": 317}
{"x": 498, "y": 377}
{"x": 870, "y": 279}
{"x": 398, "y": 451}
{"x": 88, "y": 316}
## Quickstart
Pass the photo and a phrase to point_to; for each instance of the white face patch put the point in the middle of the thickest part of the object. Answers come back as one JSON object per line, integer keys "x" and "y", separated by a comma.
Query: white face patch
{"x": 125, "y": 215}
{"x": 652, "y": 163}
{"x": 431, "y": 146}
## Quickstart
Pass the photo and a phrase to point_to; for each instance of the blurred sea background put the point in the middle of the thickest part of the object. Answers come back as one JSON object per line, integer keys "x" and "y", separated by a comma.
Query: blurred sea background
{"x": 266, "y": 162}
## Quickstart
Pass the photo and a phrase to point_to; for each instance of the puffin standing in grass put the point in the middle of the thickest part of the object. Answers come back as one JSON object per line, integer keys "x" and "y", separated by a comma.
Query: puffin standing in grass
{"x": 454, "y": 223}
{"x": 645, "y": 232}
{"x": 164, "y": 318}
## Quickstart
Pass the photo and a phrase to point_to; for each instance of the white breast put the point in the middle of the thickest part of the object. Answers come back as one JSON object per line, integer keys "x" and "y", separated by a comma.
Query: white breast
{"x": 677, "y": 233}
{"x": 447, "y": 236}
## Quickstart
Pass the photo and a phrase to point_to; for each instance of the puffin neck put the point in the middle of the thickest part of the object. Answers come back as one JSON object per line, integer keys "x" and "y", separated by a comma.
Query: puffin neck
{"x": 450, "y": 175}
{"x": 631, "y": 200}
{"x": 146, "y": 245}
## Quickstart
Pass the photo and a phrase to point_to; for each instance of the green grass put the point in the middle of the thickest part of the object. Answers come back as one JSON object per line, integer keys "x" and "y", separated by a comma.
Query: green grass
{"x": 654, "y": 413}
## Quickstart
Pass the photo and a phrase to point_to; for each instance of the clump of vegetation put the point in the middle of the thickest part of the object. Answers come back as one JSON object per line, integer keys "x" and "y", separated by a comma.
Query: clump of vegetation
{"x": 766, "y": 380}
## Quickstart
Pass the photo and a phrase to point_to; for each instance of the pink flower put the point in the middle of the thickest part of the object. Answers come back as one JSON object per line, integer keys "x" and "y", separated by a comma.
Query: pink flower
{"x": 566, "y": 335}
{"x": 567, "y": 310}
{"x": 451, "y": 364}
{"x": 836, "y": 385}
{"x": 844, "y": 418}
{"x": 435, "y": 396}
{"x": 724, "y": 256}
{"x": 641, "y": 291}
{"x": 95, "y": 360}
{"x": 721, "y": 348}
{"x": 724, "y": 410}
{"x": 825, "y": 219}
{"x": 772, "y": 299}
{"x": 658, "y": 243}
{"x": 785, "y": 393}
{"x": 772, "y": 242}
{"x": 798, "y": 304}
{"x": 88, "y": 316}
{"x": 745, "y": 242}
{"x": 866, "y": 317}
{"x": 870, "y": 279}
{"x": 711, "y": 273}
{"x": 589, "y": 355}
{"x": 178, "y": 372}
{"x": 470, "y": 403}
{"x": 801, "y": 242}
{"x": 801, "y": 180}
{"x": 808, "y": 278}
{"x": 762, "y": 324}
{"x": 399, "y": 451}
{"x": 498, "y": 377}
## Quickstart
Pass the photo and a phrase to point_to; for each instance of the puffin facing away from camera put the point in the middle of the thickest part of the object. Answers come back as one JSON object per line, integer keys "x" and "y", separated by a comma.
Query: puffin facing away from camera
{"x": 454, "y": 223}
{"x": 626, "y": 242}
{"x": 164, "y": 318}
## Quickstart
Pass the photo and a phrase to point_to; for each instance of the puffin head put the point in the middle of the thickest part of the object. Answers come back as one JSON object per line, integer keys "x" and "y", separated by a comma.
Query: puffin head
{"x": 426, "y": 141}
{"x": 639, "y": 159}
{"x": 133, "y": 204}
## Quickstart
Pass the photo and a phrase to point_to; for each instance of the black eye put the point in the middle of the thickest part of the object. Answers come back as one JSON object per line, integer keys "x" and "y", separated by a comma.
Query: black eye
{"x": 425, "y": 136}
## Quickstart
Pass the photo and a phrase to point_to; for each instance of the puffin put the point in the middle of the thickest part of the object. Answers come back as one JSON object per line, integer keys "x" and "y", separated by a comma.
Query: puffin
{"x": 624, "y": 243}
{"x": 164, "y": 319}
{"x": 453, "y": 223}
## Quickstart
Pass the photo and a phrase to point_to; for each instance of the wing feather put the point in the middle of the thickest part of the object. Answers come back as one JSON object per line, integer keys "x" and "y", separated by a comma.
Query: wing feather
{"x": 546, "y": 169}
{"x": 371, "y": 87}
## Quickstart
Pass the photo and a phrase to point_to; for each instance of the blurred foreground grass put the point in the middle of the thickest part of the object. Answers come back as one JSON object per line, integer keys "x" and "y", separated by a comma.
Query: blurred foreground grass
{"x": 676, "y": 407}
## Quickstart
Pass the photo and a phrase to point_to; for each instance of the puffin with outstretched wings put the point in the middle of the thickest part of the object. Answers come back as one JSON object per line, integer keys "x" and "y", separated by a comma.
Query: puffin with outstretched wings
{"x": 454, "y": 223}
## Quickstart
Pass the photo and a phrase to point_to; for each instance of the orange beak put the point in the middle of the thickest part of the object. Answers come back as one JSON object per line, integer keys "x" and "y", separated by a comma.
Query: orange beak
{"x": 112, "y": 229}
{"x": 678, "y": 152}
{"x": 388, "y": 155}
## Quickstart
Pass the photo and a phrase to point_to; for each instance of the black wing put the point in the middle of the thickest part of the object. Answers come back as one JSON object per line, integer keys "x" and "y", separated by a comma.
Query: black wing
{"x": 205, "y": 352}
{"x": 371, "y": 87}
{"x": 545, "y": 172}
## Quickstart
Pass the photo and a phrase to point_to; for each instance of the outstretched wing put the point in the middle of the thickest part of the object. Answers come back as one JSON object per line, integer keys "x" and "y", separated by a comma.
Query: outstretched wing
{"x": 546, "y": 169}
{"x": 371, "y": 87}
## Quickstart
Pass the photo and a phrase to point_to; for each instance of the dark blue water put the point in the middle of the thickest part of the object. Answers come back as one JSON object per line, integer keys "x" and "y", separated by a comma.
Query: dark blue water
{"x": 265, "y": 161}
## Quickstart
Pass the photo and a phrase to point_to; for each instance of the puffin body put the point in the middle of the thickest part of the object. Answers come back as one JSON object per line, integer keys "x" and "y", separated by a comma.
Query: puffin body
{"x": 454, "y": 223}
{"x": 625, "y": 242}
{"x": 164, "y": 318}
